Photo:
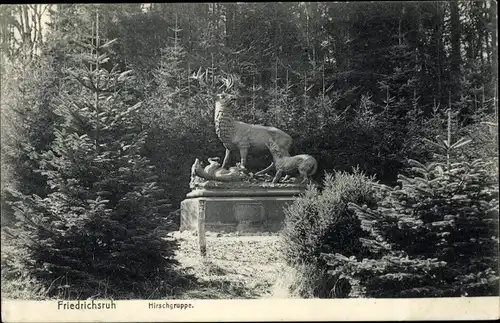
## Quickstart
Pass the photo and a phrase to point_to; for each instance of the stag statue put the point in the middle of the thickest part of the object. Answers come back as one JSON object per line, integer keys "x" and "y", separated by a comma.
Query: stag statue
{"x": 237, "y": 135}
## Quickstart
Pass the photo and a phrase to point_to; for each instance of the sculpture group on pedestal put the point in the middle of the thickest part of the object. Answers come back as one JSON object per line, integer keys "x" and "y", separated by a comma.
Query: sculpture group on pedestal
{"x": 239, "y": 136}
{"x": 234, "y": 198}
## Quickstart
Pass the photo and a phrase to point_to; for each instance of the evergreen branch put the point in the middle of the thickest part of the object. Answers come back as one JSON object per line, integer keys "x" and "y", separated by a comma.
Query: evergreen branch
{"x": 85, "y": 81}
{"x": 460, "y": 143}
{"x": 109, "y": 43}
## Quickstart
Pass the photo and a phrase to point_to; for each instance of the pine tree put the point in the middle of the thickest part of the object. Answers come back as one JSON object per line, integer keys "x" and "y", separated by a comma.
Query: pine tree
{"x": 436, "y": 235}
{"x": 102, "y": 231}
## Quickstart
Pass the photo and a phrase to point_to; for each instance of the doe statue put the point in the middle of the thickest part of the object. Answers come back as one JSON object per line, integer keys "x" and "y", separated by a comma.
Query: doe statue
{"x": 237, "y": 135}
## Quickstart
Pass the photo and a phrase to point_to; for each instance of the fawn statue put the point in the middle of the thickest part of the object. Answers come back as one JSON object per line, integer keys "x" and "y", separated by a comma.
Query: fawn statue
{"x": 304, "y": 165}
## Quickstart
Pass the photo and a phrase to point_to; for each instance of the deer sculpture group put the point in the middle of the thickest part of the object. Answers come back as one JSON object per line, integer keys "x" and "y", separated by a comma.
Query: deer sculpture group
{"x": 241, "y": 136}
{"x": 244, "y": 137}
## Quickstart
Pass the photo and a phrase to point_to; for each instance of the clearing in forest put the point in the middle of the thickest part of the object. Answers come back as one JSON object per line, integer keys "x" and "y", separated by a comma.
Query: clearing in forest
{"x": 235, "y": 266}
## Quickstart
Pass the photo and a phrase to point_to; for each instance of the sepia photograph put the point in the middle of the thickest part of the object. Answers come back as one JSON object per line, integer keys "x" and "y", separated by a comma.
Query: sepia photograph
{"x": 254, "y": 160}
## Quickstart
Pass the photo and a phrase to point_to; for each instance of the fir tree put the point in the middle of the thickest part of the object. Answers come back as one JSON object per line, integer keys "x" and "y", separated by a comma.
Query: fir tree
{"x": 102, "y": 231}
{"x": 436, "y": 235}
{"x": 27, "y": 126}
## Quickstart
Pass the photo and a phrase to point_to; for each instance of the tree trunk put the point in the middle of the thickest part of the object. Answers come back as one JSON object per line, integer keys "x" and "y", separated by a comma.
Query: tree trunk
{"x": 230, "y": 15}
{"x": 276, "y": 91}
{"x": 456, "y": 60}
{"x": 438, "y": 49}
{"x": 479, "y": 30}
{"x": 215, "y": 22}
{"x": 494, "y": 49}
{"x": 97, "y": 90}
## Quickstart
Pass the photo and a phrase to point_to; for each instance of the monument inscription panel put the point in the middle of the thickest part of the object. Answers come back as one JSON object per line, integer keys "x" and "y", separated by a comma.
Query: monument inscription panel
{"x": 250, "y": 216}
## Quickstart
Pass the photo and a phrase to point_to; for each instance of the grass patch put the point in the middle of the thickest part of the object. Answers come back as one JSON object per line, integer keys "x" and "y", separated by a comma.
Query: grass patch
{"x": 236, "y": 267}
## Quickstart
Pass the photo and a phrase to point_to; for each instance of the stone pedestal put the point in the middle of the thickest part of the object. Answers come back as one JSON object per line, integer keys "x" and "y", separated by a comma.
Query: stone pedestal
{"x": 244, "y": 209}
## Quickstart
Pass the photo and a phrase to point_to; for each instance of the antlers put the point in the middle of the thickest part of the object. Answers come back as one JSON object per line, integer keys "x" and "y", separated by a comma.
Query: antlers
{"x": 205, "y": 79}
{"x": 201, "y": 77}
{"x": 228, "y": 82}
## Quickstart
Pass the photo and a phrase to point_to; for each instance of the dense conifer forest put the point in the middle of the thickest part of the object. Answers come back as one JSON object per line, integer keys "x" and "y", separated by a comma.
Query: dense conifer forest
{"x": 105, "y": 107}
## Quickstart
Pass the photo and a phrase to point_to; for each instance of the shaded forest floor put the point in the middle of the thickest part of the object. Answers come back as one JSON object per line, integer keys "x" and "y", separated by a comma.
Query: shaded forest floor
{"x": 235, "y": 266}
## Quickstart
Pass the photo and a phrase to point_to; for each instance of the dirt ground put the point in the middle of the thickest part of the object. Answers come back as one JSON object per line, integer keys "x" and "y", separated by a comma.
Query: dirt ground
{"x": 234, "y": 267}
